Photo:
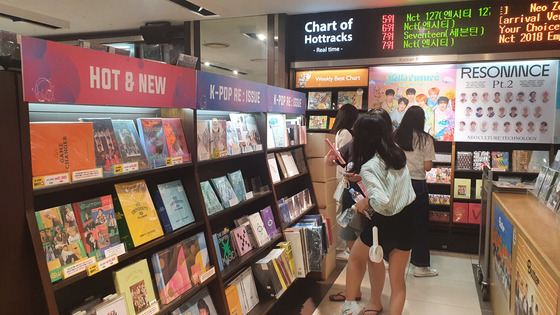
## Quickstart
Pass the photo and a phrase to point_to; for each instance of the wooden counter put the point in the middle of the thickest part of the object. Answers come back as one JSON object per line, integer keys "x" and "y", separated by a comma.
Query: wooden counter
{"x": 540, "y": 227}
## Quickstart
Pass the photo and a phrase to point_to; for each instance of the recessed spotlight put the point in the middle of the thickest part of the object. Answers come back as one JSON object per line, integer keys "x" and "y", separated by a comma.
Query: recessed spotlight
{"x": 216, "y": 45}
{"x": 261, "y": 36}
{"x": 193, "y": 7}
{"x": 207, "y": 64}
{"x": 235, "y": 72}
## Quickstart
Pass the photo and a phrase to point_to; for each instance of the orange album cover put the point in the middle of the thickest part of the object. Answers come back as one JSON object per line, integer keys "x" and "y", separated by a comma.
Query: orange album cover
{"x": 61, "y": 147}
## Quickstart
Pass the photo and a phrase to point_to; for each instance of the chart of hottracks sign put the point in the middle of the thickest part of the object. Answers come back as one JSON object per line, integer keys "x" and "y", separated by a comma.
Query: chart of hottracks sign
{"x": 456, "y": 28}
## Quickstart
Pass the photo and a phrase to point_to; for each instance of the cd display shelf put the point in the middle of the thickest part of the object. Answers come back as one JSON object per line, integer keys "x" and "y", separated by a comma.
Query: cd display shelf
{"x": 31, "y": 275}
{"x": 334, "y": 103}
{"x": 463, "y": 237}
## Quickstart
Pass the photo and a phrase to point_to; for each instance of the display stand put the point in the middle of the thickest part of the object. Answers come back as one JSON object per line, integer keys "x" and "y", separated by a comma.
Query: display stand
{"x": 62, "y": 296}
{"x": 533, "y": 254}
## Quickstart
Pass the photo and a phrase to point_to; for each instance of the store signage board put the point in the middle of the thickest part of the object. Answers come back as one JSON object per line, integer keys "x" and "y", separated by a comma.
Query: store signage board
{"x": 331, "y": 35}
{"x": 513, "y": 102}
{"x": 65, "y": 74}
{"x": 459, "y": 28}
{"x": 540, "y": 287}
{"x": 285, "y": 101}
{"x": 332, "y": 78}
{"x": 218, "y": 92}
{"x": 502, "y": 242}
{"x": 427, "y": 83}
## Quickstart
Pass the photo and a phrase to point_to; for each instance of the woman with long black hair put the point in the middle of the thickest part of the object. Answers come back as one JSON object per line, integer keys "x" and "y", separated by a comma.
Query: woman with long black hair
{"x": 382, "y": 167}
{"x": 419, "y": 149}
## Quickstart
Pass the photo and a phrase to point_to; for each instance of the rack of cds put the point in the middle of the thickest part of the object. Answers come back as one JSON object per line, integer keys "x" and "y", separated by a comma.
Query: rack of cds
{"x": 325, "y": 94}
{"x": 145, "y": 209}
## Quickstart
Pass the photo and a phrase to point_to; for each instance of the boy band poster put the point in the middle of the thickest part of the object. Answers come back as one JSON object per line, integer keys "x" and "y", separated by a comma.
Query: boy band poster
{"x": 432, "y": 87}
{"x": 513, "y": 102}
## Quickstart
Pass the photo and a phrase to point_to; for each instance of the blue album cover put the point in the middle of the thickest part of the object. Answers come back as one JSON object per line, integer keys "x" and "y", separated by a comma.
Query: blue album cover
{"x": 177, "y": 210}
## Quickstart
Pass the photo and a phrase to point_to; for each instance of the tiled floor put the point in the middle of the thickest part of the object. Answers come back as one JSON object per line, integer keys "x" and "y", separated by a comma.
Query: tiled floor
{"x": 453, "y": 291}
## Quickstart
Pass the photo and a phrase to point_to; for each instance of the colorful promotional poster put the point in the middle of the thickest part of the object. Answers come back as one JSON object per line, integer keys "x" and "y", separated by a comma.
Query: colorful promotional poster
{"x": 502, "y": 238}
{"x": 430, "y": 87}
{"x": 511, "y": 102}
{"x": 535, "y": 290}
{"x": 65, "y": 74}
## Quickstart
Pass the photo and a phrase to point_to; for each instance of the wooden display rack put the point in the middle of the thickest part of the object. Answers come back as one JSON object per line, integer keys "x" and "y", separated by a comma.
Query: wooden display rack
{"x": 27, "y": 275}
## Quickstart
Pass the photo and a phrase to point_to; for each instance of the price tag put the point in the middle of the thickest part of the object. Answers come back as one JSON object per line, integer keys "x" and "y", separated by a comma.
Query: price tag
{"x": 153, "y": 309}
{"x": 77, "y": 267}
{"x": 103, "y": 264}
{"x": 205, "y": 276}
{"x": 115, "y": 250}
{"x": 118, "y": 169}
{"x": 125, "y": 168}
{"x": 176, "y": 160}
{"x": 233, "y": 202}
{"x": 87, "y": 174}
{"x": 249, "y": 195}
{"x": 50, "y": 180}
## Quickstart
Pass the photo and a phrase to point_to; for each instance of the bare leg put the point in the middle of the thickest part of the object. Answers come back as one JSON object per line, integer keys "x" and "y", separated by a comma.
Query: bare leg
{"x": 377, "y": 280}
{"x": 350, "y": 244}
{"x": 356, "y": 269}
{"x": 398, "y": 260}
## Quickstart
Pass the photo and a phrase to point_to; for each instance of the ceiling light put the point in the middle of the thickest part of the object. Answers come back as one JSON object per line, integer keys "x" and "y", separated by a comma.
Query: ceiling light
{"x": 216, "y": 45}
{"x": 225, "y": 68}
{"x": 207, "y": 64}
{"x": 235, "y": 72}
{"x": 193, "y": 7}
{"x": 261, "y": 36}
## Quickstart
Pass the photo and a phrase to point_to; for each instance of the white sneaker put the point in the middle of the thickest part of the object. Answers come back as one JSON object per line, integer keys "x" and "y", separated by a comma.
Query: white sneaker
{"x": 344, "y": 255}
{"x": 425, "y": 272}
{"x": 351, "y": 308}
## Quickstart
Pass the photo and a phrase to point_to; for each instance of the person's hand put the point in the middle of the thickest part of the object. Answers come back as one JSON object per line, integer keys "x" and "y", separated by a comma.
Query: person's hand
{"x": 331, "y": 155}
{"x": 362, "y": 205}
{"x": 353, "y": 177}
{"x": 330, "y": 158}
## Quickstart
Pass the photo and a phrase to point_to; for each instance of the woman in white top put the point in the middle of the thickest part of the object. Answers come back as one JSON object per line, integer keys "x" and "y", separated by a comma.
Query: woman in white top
{"x": 345, "y": 119}
{"x": 382, "y": 167}
{"x": 419, "y": 149}
{"x": 342, "y": 128}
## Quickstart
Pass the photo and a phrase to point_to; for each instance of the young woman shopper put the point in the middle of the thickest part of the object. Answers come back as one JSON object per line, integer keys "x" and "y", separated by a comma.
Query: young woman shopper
{"x": 345, "y": 119}
{"x": 419, "y": 149}
{"x": 382, "y": 167}
{"x": 342, "y": 128}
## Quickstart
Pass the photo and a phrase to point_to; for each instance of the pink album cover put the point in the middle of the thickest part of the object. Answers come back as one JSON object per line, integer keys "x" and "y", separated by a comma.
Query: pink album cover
{"x": 241, "y": 240}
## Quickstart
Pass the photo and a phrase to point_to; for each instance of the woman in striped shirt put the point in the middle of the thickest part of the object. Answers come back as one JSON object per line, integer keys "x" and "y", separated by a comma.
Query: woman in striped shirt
{"x": 382, "y": 167}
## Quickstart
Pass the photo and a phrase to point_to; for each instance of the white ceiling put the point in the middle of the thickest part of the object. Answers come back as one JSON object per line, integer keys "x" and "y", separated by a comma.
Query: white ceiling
{"x": 86, "y": 16}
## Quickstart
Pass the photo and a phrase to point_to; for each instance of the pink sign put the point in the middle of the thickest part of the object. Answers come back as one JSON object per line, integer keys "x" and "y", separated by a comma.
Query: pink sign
{"x": 59, "y": 73}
